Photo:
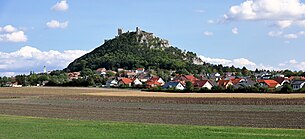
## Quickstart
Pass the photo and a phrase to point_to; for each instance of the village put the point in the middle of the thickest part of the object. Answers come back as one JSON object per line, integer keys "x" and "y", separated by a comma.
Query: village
{"x": 141, "y": 78}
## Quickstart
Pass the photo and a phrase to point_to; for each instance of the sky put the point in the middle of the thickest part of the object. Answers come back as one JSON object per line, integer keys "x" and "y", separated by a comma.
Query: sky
{"x": 263, "y": 34}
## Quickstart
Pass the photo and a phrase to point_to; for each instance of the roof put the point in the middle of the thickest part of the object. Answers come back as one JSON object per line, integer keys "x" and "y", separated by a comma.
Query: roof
{"x": 223, "y": 82}
{"x": 296, "y": 78}
{"x": 171, "y": 84}
{"x": 236, "y": 81}
{"x": 101, "y": 70}
{"x": 202, "y": 83}
{"x": 126, "y": 80}
{"x": 140, "y": 69}
{"x": 297, "y": 82}
{"x": 190, "y": 77}
{"x": 270, "y": 83}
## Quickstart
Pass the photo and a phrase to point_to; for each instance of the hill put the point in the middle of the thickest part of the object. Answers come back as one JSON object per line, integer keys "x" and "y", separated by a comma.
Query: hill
{"x": 131, "y": 50}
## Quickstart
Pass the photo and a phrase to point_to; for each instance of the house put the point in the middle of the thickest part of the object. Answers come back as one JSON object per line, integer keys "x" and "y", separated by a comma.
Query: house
{"x": 143, "y": 77}
{"x": 244, "y": 83}
{"x": 282, "y": 80}
{"x": 136, "y": 82}
{"x": 155, "y": 81}
{"x": 296, "y": 78}
{"x": 73, "y": 75}
{"x": 112, "y": 83}
{"x": 269, "y": 83}
{"x": 120, "y": 70}
{"x": 140, "y": 70}
{"x": 204, "y": 83}
{"x": 101, "y": 71}
{"x": 131, "y": 74}
{"x": 15, "y": 84}
{"x": 225, "y": 83}
{"x": 237, "y": 80}
{"x": 174, "y": 85}
{"x": 184, "y": 78}
{"x": 297, "y": 84}
{"x": 125, "y": 81}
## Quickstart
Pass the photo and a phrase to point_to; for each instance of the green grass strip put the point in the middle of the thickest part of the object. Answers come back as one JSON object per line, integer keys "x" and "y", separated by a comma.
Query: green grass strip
{"x": 19, "y": 127}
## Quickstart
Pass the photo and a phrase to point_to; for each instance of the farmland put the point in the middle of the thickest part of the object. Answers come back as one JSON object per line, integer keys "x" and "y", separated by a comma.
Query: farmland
{"x": 111, "y": 105}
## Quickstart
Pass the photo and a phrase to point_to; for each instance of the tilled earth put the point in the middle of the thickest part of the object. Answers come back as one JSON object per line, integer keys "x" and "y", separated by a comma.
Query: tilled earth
{"x": 69, "y": 104}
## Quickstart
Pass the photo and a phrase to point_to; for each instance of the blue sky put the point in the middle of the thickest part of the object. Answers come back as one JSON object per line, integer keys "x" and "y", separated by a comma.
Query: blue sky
{"x": 254, "y": 33}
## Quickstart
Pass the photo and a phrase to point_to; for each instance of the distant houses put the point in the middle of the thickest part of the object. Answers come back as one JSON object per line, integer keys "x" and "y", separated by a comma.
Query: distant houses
{"x": 142, "y": 78}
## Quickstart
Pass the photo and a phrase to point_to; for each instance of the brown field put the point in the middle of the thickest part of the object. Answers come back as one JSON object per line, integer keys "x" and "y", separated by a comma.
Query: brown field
{"x": 250, "y": 110}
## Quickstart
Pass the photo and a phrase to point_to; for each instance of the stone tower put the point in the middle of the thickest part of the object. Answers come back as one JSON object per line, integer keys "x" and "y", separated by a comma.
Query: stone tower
{"x": 138, "y": 31}
{"x": 120, "y": 31}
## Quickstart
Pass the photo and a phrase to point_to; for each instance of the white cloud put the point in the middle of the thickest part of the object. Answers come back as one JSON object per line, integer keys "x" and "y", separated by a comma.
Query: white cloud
{"x": 239, "y": 62}
{"x": 10, "y": 33}
{"x": 9, "y": 29}
{"x": 284, "y": 23}
{"x": 199, "y": 11}
{"x": 211, "y": 21}
{"x": 207, "y": 33}
{"x": 284, "y": 13}
{"x": 267, "y": 10}
{"x": 61, "y": 6}
{"x": 29, "y": 58}
{"x": 293, "y": 64}
{"x": 235, "y": 30}
{"x": 293, "y": 61}
{"x": 301, "y": 32}
{"x": 57, "y": 24}
{"x": 275, "y": 33}
{"x": 291, "y": 36}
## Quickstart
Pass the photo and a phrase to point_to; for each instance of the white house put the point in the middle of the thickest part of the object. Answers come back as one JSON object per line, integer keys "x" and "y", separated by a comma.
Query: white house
{"x": 203, "y": 84}
{"x": 297, "y": 84}
{"x": 112, "y": 83}
{"x": 136, "y": 81}
{"x": 175, "y": 85}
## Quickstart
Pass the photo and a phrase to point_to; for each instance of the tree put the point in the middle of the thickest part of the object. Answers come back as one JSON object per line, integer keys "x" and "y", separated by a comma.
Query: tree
{"x": 286, "y": 88}
{"x": 188, "y": 85}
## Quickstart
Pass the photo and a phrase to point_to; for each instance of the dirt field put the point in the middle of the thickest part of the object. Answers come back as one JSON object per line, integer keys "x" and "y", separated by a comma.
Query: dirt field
{"x": 250, "y": 110}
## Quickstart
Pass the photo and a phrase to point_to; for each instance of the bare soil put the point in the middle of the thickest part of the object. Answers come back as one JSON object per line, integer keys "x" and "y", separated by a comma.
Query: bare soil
{"x": 89, "y": 104}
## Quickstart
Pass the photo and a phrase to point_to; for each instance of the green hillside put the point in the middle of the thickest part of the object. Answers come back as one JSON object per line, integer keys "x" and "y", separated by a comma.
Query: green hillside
{"x": 135, "y": 49}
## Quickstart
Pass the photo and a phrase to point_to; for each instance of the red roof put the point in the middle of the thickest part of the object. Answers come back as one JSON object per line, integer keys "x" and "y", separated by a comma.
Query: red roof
{"x": 223, "y": 82}
{"x": 201, "y": 83}
{"x": 270, "y": 83}
{"x": 296, "y": 77}
{"x": 236, "y": 81}
{"x": 126, "y": 80}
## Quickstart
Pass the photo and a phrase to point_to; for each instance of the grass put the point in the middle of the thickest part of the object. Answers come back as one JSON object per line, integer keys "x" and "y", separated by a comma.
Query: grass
{"x": 31, "y": 127}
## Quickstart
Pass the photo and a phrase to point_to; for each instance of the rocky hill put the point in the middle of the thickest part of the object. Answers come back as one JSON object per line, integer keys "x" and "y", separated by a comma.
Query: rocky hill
{"x": 135, "y": 49}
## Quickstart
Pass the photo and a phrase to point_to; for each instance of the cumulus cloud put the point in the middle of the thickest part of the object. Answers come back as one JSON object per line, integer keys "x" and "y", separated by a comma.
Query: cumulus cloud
{"x": 208, "y": 33}
{"x": 291, "y": 36}
{"x": 29, "y": 58}
{"x": 10, "y": 33}
{"x": 235, "y": 30}
{"x": 57, "y": 24}
{"x": 239, "y": 62}
{"x": 275, "y": 33}
{"x": 284, "y": 23}
{"x": 293, "y": 64}
{"x": 283, "y": 13}
{"x": 267, "y": 10}
{"x": 61, "y": 6}
{"x": 211, "y": 21}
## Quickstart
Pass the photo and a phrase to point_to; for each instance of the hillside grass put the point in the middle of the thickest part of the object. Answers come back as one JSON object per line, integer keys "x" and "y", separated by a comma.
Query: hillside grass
{"x": 19, "y": 127}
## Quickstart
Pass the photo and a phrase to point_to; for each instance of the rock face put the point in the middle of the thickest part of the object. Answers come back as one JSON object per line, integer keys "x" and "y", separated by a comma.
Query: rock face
{"x": 135, "y": 49}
